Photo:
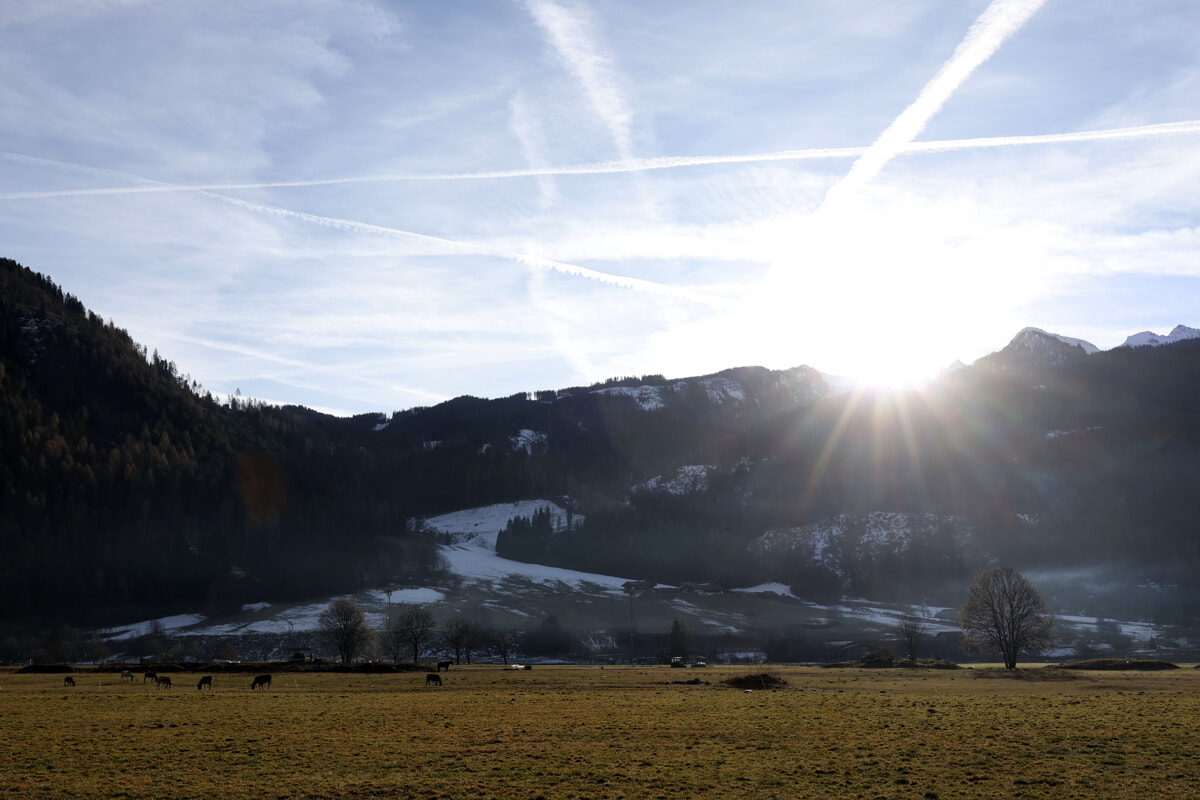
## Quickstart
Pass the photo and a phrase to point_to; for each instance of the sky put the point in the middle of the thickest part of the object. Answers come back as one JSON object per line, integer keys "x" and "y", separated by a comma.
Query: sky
{"x": 367, "y": 206}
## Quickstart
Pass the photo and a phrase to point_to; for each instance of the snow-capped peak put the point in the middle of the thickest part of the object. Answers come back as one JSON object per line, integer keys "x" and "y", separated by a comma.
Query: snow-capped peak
{"x": 1151, "y": 339}
{"x": 1027, "y": 336}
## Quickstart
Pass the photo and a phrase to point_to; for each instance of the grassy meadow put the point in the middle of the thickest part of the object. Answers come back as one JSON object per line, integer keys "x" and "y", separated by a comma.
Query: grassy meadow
{"x": 614, "y": 732}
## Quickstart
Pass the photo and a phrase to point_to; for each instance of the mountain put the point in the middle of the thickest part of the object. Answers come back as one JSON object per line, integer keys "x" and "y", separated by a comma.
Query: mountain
{"x": 1149, "y": 339}
{"x": 1035, "y": 348}
{"x": 130, "y": 492}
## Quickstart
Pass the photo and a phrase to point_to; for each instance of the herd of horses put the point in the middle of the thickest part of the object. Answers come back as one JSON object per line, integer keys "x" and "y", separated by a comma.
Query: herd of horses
{"x": 164, "y": 681}
{"x": 260, "y": 682}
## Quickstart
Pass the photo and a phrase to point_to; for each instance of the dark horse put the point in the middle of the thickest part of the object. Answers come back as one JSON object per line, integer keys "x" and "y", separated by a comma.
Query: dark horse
{"x": 434, "y": 678}
{"x": 150, "y": 675}
{"x": 262, "y": 680}
{"x": 68, "y": 681}
{"x": 444, "y": 665}
{"x": 205, "y": 683}
{"x": 163, "y": 681}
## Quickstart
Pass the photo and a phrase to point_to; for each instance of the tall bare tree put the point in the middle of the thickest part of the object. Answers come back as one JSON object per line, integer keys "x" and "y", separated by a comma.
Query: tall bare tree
{"x": 460, "y": 635}
{"x": 411, "y": 626}
{"x": 345, "y": 624}
{"x": 912, "y": 630}
{"x": 504, "y": 642}
{"x": 1004, "y": 612}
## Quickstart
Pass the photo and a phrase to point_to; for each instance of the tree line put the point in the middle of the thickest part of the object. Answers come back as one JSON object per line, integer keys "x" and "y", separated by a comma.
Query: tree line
{"x": 127, "y": 490}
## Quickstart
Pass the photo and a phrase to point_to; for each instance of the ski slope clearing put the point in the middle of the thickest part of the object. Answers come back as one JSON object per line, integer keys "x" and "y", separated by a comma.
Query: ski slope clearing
{"x": 482, "y": 525}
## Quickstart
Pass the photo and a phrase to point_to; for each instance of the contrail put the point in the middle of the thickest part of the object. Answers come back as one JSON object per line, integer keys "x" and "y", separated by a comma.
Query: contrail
{"x": 608, "y": 167}
{"x": 621, "y": 281}
{"x": 571, "y": 37}
{"x": 999, "y": 21}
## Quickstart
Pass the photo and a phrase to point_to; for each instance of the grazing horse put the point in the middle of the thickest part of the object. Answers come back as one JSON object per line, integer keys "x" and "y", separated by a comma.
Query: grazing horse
{"x": 434, "y": 678}
{"x": 262, "y": 680}
{"x": 163, "y": 681}
{"x": 68, "y": 681}
{"x": 444, "y": 665}
{"x": 205, "y": 683}
{"x": 126, "y": 675}
{"x": 150, "y": 675}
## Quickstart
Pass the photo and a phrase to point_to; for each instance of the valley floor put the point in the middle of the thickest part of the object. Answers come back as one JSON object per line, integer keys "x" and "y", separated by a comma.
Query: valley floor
{"x": 609, "y": 733}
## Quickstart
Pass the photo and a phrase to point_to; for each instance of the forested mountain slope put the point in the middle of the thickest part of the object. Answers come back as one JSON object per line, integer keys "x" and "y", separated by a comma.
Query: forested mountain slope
{"x": 126, "y": 490}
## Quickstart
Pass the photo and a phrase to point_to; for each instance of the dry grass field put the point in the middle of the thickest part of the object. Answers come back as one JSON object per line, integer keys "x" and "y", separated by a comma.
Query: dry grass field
{"x": 623, "y": 732}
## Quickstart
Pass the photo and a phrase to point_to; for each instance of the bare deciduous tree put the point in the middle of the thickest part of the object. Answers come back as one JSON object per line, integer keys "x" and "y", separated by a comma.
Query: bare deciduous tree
{"x": 504, "y": 642}
{"x": 460, "y": 635}
{"x": 1005, "y": 612}
{"x": 345, "y": 623}
{"x": 913, "y": 631}
{"x": 411, "y": 626}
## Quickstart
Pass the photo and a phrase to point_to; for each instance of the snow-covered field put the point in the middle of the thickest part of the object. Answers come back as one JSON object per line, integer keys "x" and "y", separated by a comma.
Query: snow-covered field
{"x": 483, "y": 580}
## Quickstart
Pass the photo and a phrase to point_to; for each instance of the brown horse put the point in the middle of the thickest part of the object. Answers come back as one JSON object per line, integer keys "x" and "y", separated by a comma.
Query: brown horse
{"x": 163, "y": 682}
{"x": 444, "y": 665}
{"x": 149, "y": 675}
{"x": 68, "y": 681}
{"x": 205, "y": 683}
{"x": 434, "y": 678}
{"x": 262, "y": 680}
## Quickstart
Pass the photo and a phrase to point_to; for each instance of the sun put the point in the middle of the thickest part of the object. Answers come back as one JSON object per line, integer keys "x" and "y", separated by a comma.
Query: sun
{"x": 891, "y": 370}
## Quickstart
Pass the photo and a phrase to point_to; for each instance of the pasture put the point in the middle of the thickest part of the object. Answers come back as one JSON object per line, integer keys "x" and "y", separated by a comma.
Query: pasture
{"x": 614, "y": 732}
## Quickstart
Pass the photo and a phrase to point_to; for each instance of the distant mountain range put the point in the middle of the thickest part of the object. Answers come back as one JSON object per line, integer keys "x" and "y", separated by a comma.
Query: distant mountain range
{"x": 127, "y": 491}
{"x": 1148, "y": 339}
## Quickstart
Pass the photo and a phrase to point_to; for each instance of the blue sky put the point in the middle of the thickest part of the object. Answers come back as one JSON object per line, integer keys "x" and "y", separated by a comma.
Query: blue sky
{"x": 368, "y": 206}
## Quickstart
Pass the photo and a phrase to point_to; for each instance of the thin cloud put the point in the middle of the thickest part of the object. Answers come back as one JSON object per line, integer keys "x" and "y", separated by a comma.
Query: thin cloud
{"x": 528, "y": 131}
{"x": 620, "y": 281}
{"x": 999, "y": 21}
{"x": 353, "y": 226}
{"x": 608, "y": 167}
{"x": 570, "y": 33}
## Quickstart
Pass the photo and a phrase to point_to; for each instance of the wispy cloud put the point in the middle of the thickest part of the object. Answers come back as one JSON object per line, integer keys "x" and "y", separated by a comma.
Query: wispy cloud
{"x": 610, "y": 279}
{"x": 572, "y": 34}
{"x": 442, "y": 207}
{"x": 525, "y": 126}
{"x": 999, "y": 21}
{"x": 1183, "y": 128}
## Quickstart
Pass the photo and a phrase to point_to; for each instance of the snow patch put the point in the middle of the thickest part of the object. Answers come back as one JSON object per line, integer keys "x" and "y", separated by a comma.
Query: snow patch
{"x": 482, "y": 525}
{"x": 480, "y": 563}
{"x": 721, "y": 390}
{"x": 692, "y": 479}
{"x": 769, "y": 588}
{"x": 164, "y": 624}
{"x": 527, "y": 440}
{"x": 878, "y": 532}
{"x": 648, "y": 398}
{"x": 1150, "y": 339}
{"x": 1076, "y": 432}
{"x": 1022, "y": 339}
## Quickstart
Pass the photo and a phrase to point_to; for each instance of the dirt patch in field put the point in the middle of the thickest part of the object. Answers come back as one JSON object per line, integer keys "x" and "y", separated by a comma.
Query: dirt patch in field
{"x": 763, "y": 680}
{"x": 1145, "y": 664}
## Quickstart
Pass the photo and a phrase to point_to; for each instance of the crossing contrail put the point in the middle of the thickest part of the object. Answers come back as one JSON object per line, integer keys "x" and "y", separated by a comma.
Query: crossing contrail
{"x": 621, "y": 281}
{"x": 616, "y": 166}
{"x": 999, "y": 21}
{"x": 572, "y": 36}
